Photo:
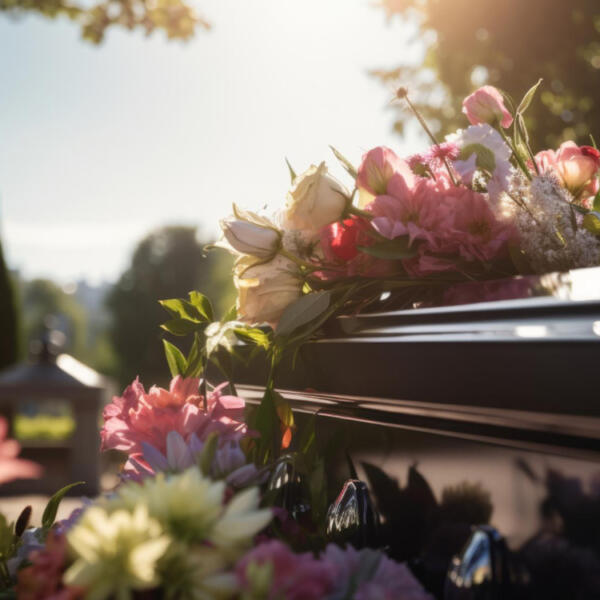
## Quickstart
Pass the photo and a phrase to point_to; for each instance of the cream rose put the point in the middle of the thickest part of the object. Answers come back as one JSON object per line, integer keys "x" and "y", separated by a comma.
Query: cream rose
{"x": 315, "y": 200}
{"x": 265, "y": 290}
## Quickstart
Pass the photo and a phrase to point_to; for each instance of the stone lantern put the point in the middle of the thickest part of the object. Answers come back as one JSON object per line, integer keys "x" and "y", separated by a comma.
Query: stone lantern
{"x": 51, "y": 377}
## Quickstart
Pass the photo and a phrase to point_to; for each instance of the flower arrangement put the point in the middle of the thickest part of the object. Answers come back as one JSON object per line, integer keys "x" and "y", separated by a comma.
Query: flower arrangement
{"x": 222, "y": 500}
{"x": 479, "y": 205}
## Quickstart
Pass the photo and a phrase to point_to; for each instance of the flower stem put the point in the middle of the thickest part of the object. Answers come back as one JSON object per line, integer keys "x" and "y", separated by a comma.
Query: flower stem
{"x": 402, "y": 93}
{"x": 359, "y": 212}
{"x": 301, "y": 263}
{"x": 517, "y": 156}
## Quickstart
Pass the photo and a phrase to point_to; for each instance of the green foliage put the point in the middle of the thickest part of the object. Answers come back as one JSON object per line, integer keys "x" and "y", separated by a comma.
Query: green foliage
{"x": 167, "y": 264}
{"x": 51, "y": 509}
{"x": 8, "y": 317}
{"x": 396, "y": 249}
{"x": 177, "y": 18}
{"x": 507, "y": 44}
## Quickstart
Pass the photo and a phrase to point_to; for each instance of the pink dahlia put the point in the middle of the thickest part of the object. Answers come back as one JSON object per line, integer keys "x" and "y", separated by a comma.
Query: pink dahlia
{"x": 12, "y": 467}
{"x": 139, "y": 416}
{"x": 294, "y": 576}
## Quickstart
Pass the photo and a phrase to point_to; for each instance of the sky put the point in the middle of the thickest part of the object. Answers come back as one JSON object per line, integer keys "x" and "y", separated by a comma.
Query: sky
{"x": 99, "y": 145}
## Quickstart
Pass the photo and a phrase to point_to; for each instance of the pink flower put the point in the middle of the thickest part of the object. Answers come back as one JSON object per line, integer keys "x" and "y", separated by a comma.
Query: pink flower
{"x": 479, "y": 235}
{"x": 486, "y": 105}
{"x": 138, "y": 416}
{"x": 12, "y": 467}
{"x": 295, "y": 576}
{"x": 372, "y": 575}
{"x": 576, "y": 168}
{"x": 42, "y": 579}
{"x": 377, "y": 168}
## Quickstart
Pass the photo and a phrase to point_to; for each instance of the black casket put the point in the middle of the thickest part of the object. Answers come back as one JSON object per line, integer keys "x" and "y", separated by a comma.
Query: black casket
{"x": 476, "y": 425}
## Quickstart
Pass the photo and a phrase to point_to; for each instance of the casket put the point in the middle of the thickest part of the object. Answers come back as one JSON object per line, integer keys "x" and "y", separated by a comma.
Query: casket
{"x": 475, "y": 422}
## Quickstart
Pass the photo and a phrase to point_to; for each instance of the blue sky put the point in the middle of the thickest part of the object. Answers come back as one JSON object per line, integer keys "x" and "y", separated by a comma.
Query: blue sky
{"x": 98, "y": 145}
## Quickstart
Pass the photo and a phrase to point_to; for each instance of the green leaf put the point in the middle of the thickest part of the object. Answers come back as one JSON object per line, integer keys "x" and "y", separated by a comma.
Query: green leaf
{"x": 202, "y": 304}
{"x": 284, "y": 410}
{"x": 195, "y": 359}
{"x": 51, "y": 509}
{"x": 345, "y": 163}
{"x": 207, "y": 455}
{"x": 395, "y": 249}
{"x": 302, "y": 311}
{"x": 484, "y": 157}
{"x": 183, "y": 309}
{"x": 265, "y": 421}
{"x": 175, "y": 359}
{"x": 591, "y": 222}
{"x": 597, "y": 202}
{"x": 254, "y": 336}
{"x": 528, "y": 97}
{"x": 292, "y": 172}
{"x": 593, "y": 142}
{"x": 180, "y": 326}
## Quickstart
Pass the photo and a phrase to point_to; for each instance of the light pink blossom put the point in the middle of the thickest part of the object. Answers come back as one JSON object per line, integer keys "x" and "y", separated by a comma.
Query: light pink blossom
{"x": 139, "y": 416}
{"x": 372, "y": 575}
{"x": 12, "y": 467}
{"x": 377, "y": 168}
{"x": 295, "y": 576}
{"x": 486, "y": 105}
{"x": 576, "y": 168}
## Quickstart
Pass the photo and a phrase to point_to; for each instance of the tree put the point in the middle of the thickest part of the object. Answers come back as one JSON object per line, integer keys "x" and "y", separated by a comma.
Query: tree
{"x": 168, "y": 263}
{"x": 509, "y": 44}
{"x": 176, "y": 17}
{"x": 9, "y": 346}
{"x": 45, "y": 305}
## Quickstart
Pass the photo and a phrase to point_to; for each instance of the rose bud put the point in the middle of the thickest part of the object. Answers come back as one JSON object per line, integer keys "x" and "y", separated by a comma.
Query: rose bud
{"x": 377, "y": 168}
{"x": 315, "y": 200}
{"x": 486, "y": 105}
{"x": 249, "y": 238}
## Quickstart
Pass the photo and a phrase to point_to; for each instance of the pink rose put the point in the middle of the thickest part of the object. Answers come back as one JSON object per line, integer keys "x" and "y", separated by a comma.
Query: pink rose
{"x": 486, "y": 105}
{"x": 378, "y": 167}
{"x": 575, "y": 166}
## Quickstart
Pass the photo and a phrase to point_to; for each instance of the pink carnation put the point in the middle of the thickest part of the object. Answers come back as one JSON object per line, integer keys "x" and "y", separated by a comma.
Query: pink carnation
{"x": 486, "y": 105}
{"x": 139, "y": 416}
{"x": 295, "y": 576}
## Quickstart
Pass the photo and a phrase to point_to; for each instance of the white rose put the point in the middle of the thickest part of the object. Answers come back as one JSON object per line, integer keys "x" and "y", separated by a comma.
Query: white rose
{"x": 265, "y": 290}
{"x": 315, "y": 200}
{"x": 250, "y": 238}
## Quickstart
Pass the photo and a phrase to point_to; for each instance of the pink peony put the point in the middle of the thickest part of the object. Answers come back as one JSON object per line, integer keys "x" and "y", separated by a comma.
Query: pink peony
{"x": 370, "y": 575}
{"x": 576, "y": 168}
{"x": 139, "y": 416}
{"x": 486, "y": 105}
{"x": 377, "y": 168}
{"x": 295, "y": 576}
{"x": 12, "y": 467}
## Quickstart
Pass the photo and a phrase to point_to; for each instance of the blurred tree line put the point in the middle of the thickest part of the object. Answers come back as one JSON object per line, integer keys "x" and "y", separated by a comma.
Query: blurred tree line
{"x": 125, "y": 340}
{"x": 509, "y": 44}
{"x": 176, "y": 18}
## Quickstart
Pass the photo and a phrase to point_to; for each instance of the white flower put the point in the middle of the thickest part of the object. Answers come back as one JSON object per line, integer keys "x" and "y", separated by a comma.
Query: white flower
{"x": 250, "y": 238}
{"x": 241, "y": 521}
{"x": 495, "y": 154}
{"x": 115, "y": 552}
{"x": 266, "y": 289}
{"x": 315, "y": 200}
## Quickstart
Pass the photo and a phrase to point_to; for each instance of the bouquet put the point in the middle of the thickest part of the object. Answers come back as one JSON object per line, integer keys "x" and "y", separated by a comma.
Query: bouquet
{"x": 222, "y": 500}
